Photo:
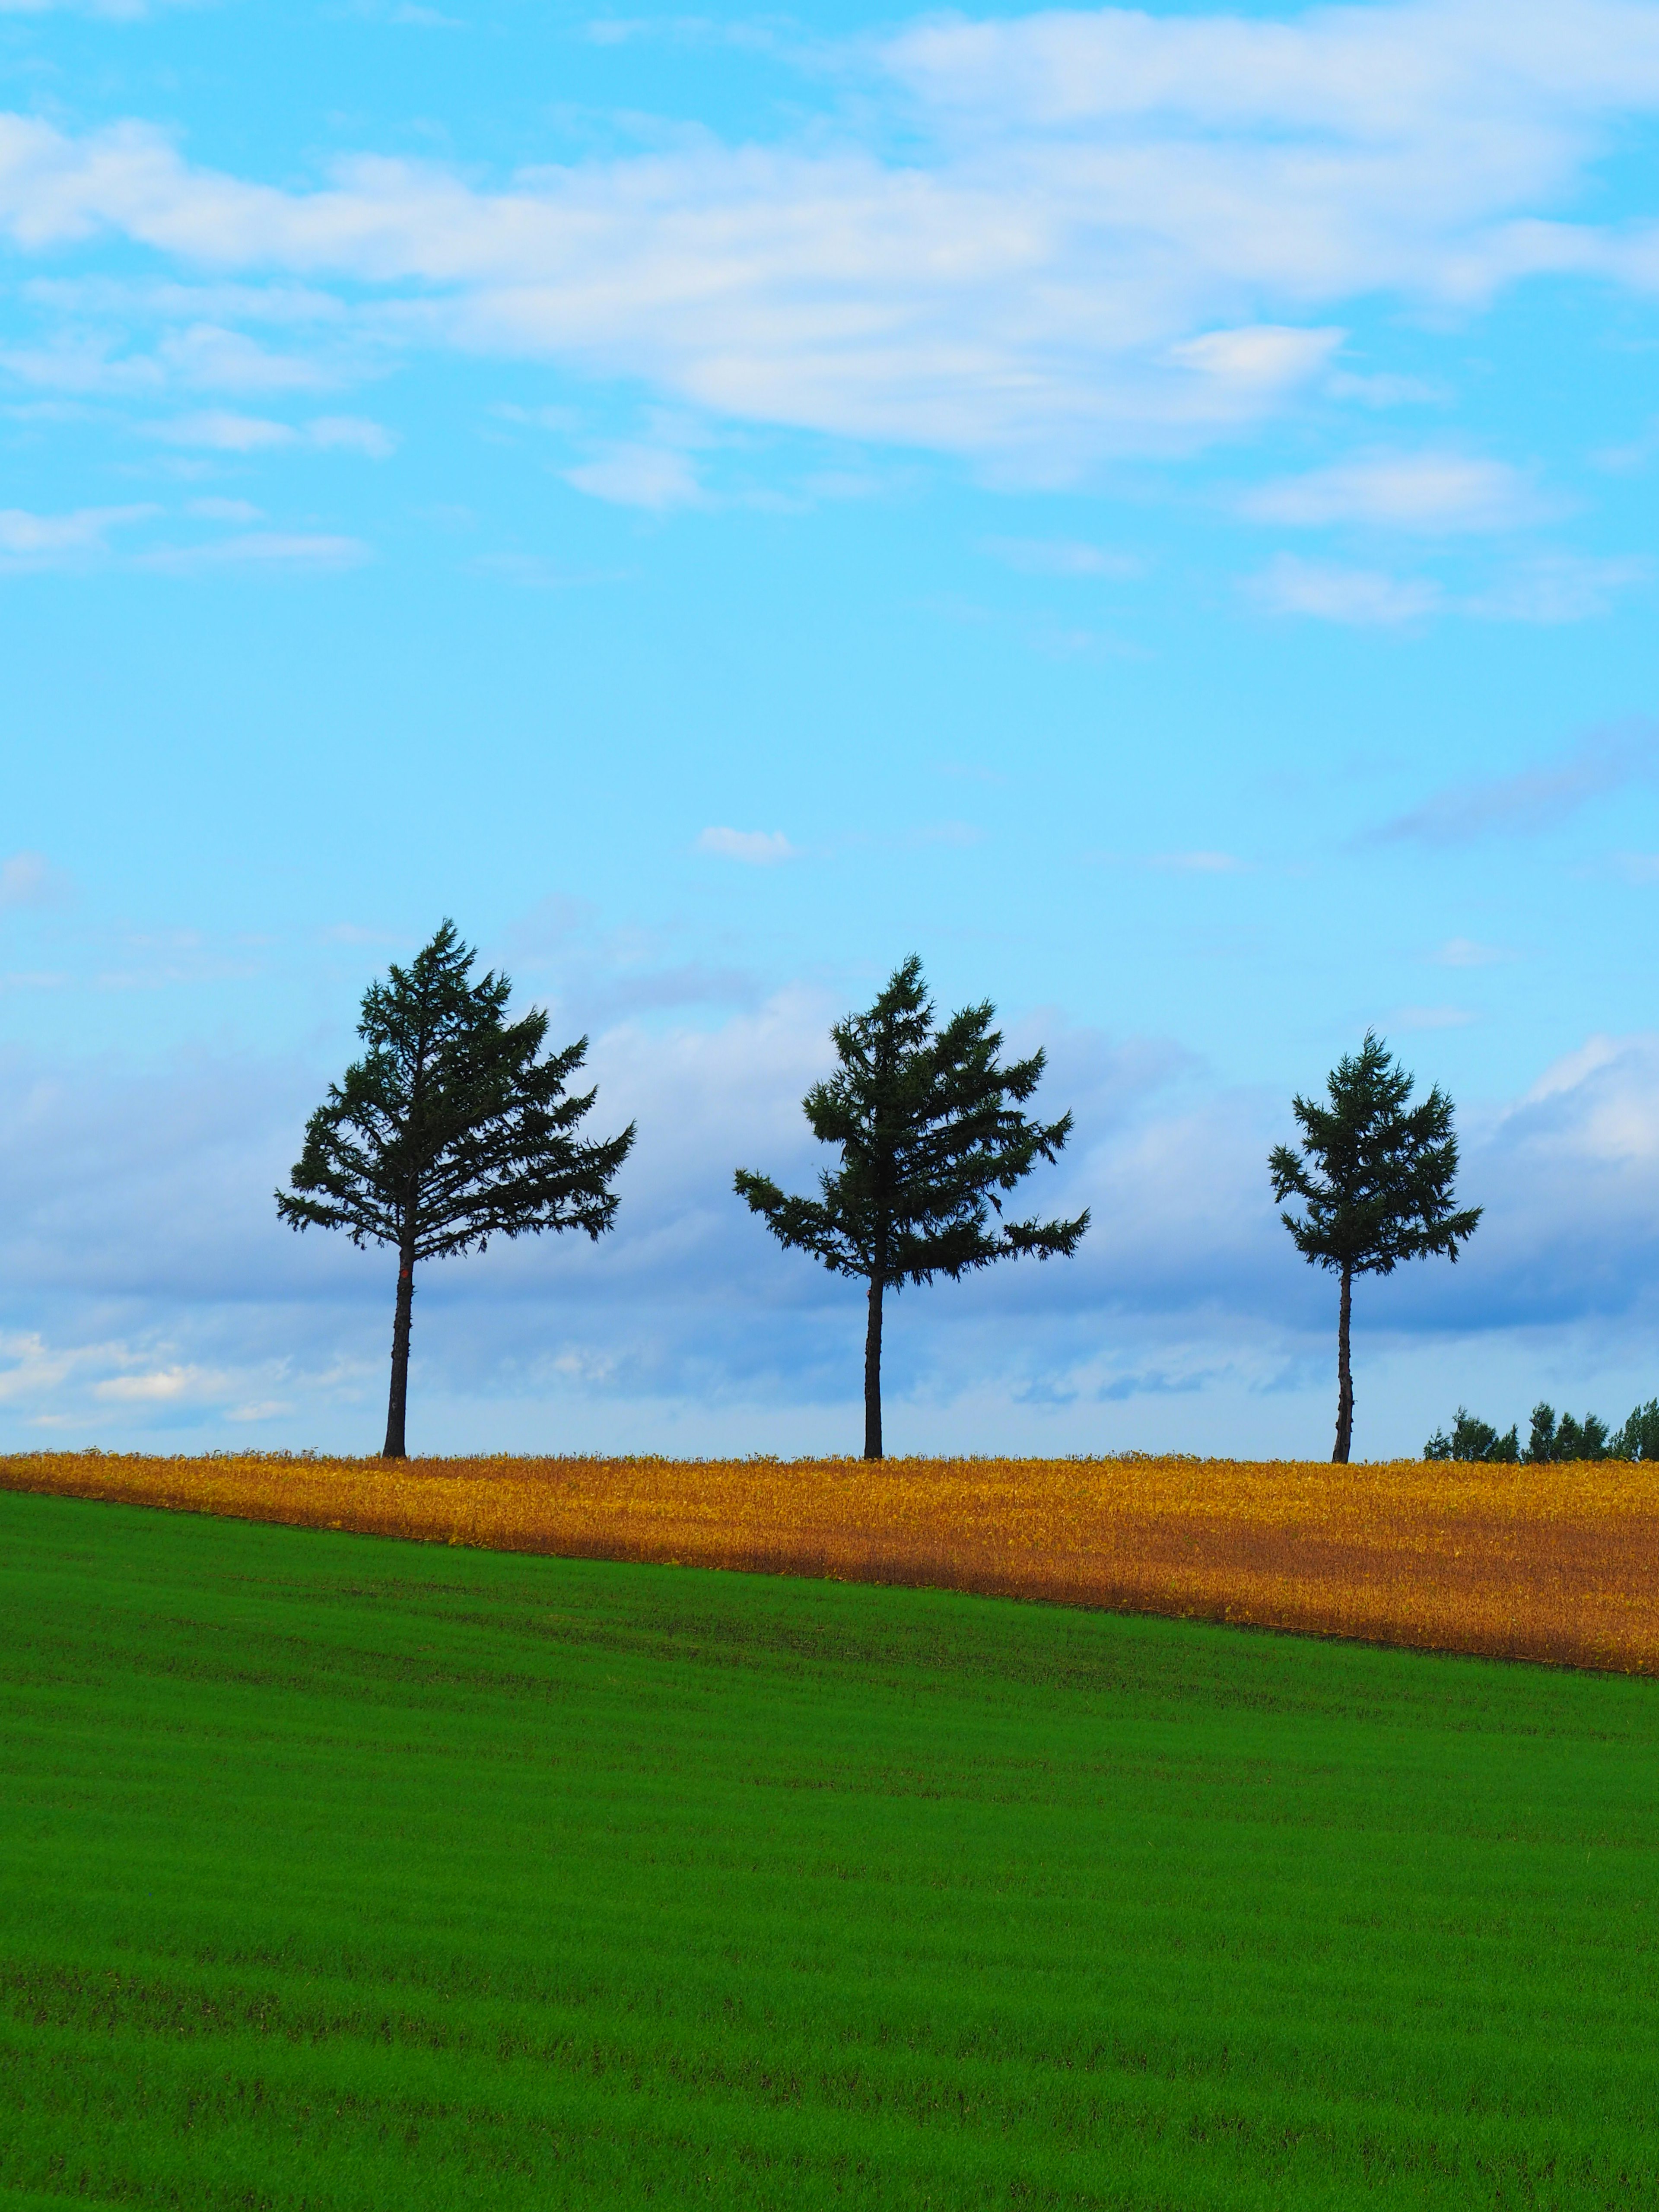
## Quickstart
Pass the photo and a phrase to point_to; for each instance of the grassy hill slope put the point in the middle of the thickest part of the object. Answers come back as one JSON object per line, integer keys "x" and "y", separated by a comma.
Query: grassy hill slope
{"x": 341, "y": 1873}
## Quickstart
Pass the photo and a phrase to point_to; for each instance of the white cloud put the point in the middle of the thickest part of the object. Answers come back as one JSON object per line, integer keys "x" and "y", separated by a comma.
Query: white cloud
{"x": 1381, "y": 388}
{"x": 1260, "y": 361}
{"x": 30, "y": 879}
{"x": 1466, "y": 952}
{"x": 1551, "y": 588}
{"x": 163, "y": 1383}
{"x": 1430, "y": 493}
{"x": 1364, "y": 597}
{"x": 264, "y": 548}
{"x": 220, "y": 431}
{"x": 119, "y": 11}
{"x": 352, "y": 434}
{"x": 57, "y": 541}
{"x": 760, "y": 849}
{"x": 1199, "y": 863}
{"x": 1110, "y": 233}
{"x": 655, "y": 476}
{"x": 1561, "y": 587}
{"x": 1375, "y": 75}
{"x": 229, "y": 361}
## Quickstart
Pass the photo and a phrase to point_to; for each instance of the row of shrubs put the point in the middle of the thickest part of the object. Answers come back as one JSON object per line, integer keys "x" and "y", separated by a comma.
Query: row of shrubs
{"x": 1550, "y": 1439}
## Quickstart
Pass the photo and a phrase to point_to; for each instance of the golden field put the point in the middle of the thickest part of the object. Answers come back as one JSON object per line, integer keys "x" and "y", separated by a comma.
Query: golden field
{"x": 1556, "y": 1563}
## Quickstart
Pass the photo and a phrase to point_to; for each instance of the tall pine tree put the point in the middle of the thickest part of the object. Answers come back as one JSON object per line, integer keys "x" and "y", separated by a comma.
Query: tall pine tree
{"x": 1377, "y": 1179}
{"x": 931, "y": 1134}
{"x": 451, "y": 1129}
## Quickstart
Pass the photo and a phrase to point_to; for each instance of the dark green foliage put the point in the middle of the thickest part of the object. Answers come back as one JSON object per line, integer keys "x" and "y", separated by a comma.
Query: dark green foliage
{"x": 1474, "y": 1439}
{"x": 931, "y": 1134}
{"x": 451, "y": 1129}
{"x": 1541, "y": 1442}
{"x": 1377, "y": 1179}
{"x": 1550, "y": 1439}
{"x": 1639, "y": 1437}
{"x": 1567, "y": 1438}
{"x": 353, "y": 1875}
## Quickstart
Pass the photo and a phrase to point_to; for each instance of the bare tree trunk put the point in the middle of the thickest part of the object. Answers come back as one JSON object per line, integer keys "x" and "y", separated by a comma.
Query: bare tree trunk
{"x": 1344, "y": 1374}
{"x": 873, "y": 1373}
{"x": 397, "y": 1404}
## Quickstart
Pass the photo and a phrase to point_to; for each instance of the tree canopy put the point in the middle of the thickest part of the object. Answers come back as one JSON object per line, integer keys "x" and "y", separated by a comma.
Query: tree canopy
{"x": 932, "y": 1134}
{"x": 451, "y": 1130}
{"x": 1375, "y": 1176}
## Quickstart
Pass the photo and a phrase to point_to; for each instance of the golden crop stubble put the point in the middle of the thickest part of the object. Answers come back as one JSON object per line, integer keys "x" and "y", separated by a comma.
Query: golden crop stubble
{"x": 1554, "y": 1562}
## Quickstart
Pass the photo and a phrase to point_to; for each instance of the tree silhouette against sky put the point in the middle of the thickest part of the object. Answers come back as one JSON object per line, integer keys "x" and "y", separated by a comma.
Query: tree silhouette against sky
{"x": 451, "y": 1129}
{"x": 1377, "y": 1179}
{"x": 931, "y": 1136}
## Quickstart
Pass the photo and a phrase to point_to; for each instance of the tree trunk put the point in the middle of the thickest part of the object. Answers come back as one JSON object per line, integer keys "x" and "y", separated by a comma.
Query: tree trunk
{"x": 397, "y": 1404}
{"x": 1344, "y": 1374}
{"x": 873, "y": 1373}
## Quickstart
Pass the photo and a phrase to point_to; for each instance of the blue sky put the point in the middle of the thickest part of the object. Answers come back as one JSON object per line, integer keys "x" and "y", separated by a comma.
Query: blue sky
{"x": 1151, "y": 511}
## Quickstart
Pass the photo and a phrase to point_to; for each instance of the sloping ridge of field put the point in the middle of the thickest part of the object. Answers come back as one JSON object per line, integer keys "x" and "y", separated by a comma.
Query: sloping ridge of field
{"x": 1559, "y": 1563}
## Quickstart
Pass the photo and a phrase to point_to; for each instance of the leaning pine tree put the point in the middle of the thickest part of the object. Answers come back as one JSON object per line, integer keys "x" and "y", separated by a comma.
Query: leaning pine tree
{"x": 451, "y": 1129}
{"x": 931, "y": 1134}
{"x": 1377, "y": 1179}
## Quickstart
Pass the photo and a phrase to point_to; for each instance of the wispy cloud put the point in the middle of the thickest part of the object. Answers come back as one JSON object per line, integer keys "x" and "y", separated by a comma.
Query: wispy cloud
{"x": 1366, "y": 598}
{"x": 61, "y": 541}
{"x": 1429, "y": 493}
{"x": 1533, "y": 799}
{"x": 1548, "y": 589}
{"x": 1466, "y": 952}
{"x": 263, "y": 549}
{"x": 1203, "y": 201}
{"x": 30, "y": 879}
{"x": 653, "y": 477}
{"x": 1199, "y": 863}
{"x": 220, "y": 430}
{"x": 757, "y": 848}
{"x": 760, "y": 849}
{"x": 1560, "y": 587}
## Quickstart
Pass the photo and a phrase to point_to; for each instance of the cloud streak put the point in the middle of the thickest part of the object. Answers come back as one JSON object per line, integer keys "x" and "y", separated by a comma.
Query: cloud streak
{"x": 758, "y": 848}
{"x": 1112, "y": 234}
{"x": 1429, "y": 493}
{"x": 1533, "y": 800}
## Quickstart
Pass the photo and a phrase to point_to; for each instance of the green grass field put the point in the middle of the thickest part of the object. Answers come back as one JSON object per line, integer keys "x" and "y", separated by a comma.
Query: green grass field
{"x": 341, "y": 1873}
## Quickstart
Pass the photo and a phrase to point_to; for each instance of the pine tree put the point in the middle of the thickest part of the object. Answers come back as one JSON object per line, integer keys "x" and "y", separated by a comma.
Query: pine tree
{"x": 451, "y": 1129}
{"x": 1473, "y": 1439}
{"x": 1638, "y": 1438}
{"x": 1570, "y": 1438}
{"x": 1377, "y": 1179}
{"x": 931, "y": 1134}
